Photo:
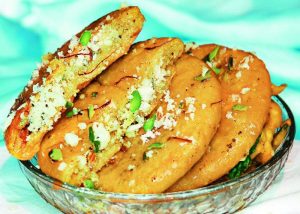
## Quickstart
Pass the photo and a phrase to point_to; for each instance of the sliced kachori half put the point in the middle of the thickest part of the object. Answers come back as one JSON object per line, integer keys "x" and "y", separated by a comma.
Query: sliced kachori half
{"x": 115, "y": 105}
{"x": 64, "y": 73}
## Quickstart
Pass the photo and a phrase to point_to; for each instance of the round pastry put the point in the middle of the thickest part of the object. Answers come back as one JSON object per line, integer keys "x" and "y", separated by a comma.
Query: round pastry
{"x": 64, "y": 73}
{"x": 246, "y": 98}
{"x": 174, "y": 137}
{"x": 114, "y": 106}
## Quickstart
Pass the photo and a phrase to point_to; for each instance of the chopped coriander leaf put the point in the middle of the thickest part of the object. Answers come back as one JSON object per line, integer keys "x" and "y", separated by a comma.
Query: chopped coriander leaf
{"x": 216, "y": 70}
{"x": 230, "y": 63}
{"x": 156, "y": 145}
{"x": 71, "y": 113}
{"x": 85, "y": 37}
{"x": 246, "y": 163}
{"x": 91, "y": 134}
{"x": 88, "y": 184}
{"x": 56, "y": 155}
{"x": 202, "y": 78}
{"x": 136, "y": 101}
{"x": 235, "y": 172}
{"x": 252, "y": 149}
{"x": 238, "y": 173}
{"x": 96, "y": 143}
{"x": 239, "y": 107}
{"x": 94, "y": 94}
{"x": 232, "y": 173}
{"x": 242, "y": 166}
{"x": 91, "y": 111}
{"x": 149, "y": 124}
{"x": 213, "y": 54}
{"x": 69, "y": 104}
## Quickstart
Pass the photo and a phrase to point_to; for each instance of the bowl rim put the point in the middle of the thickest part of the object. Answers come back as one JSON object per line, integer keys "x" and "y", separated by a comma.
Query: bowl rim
{"x": 182, "y": 195}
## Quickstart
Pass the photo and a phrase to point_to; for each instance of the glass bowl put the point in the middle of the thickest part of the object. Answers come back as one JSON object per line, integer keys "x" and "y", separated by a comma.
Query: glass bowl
{"x": 225, "y": 197}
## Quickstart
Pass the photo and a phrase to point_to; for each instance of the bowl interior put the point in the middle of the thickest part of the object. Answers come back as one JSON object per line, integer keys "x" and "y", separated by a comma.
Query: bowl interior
{"x": 32, "y": 166}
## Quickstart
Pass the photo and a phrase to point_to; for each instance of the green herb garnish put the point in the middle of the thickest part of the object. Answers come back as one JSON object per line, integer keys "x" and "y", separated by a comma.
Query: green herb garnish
{"x": 71, "y": 113}
{"x": 156, "y": 145}
{"x": 149, "y": 124}
{"x": 96, "y": 143}
{"x": 88, "y": 184}
{"x": 91, "y": 111}
{"x": 239, "y": 107}
{"x": 252, "y": 149}
{"x": 56, "y": 155}
{"x": 213, "y": 54}
{"x": 202, "y": 78}
{"x": 242, "y": 166}
{"x": 85, "y": 37}
{"x": 136, "y": 101}
{"x": 97, "y": 146}
{"x": 94, "y": 94}
{"x": 216, "y": 70}
{"x": 69, "y": 104}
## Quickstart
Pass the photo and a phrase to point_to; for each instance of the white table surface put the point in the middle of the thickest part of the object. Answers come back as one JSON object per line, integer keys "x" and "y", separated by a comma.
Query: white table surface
{"x": 17, "y": 196}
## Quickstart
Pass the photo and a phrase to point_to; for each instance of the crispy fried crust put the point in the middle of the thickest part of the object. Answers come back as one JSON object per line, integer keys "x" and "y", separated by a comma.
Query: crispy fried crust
{"x": 139, "y": 170}
{"x": 264, "y": 150}
{"x": 63, "y": 74}
{"x": 146, "y": 61}
{"x": 238, "y": 129}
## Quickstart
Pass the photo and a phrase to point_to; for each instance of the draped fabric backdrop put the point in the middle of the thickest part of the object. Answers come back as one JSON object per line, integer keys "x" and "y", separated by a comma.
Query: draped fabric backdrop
{"x": 30, "y": 28}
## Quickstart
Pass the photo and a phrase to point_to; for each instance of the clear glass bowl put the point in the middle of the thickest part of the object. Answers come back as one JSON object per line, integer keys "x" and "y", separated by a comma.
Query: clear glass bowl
{"x": 225, "y": 197}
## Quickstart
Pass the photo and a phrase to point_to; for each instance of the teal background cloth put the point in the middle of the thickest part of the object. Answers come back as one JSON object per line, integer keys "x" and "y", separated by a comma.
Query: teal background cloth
{"x": 269, "y": 28}
{"x": 30, "y": 28}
